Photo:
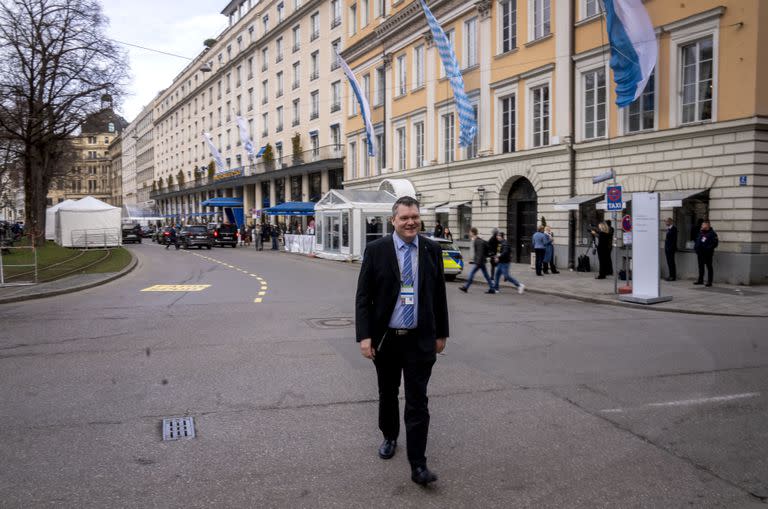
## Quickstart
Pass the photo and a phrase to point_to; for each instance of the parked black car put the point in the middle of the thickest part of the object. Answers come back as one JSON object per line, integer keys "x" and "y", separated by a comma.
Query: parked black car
{"x": 131, "y": 233}
{"x": 225, "y": 235}
{"x": 147, "y": 231}
{"x": 195, "y": 236}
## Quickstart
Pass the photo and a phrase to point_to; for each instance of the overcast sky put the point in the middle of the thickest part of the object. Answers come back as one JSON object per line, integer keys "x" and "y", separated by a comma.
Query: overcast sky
{"x": 172, "y": 26}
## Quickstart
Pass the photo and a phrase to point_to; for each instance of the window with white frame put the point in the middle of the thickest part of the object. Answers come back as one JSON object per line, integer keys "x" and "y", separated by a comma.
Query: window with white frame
{"x": 315, "y": 65}
{"x": 364, "y": 10}
{"x": 641, "y": 114}
{"x": 265, "y": 59}
{"x": 418, "y": 141}
{"x": 540, "y": 115}
{"x": 352, "y": 102}
{"x": 402, "y": 76}
{"x": 508, "y": 22}
{"x": 279, "y": 112}
{"x": 336, "y": 136}
{"x": 470, "y": 42}
{"x": 696, "y": 71}
{"x": 279, "y": 49}
{"x": 296, "y": 75}
{"x": 335, "y": 96}
{"x": 591, "y": 8}
{"x": 280, "y": 12}
{"x": 264, "y": 91}
{"x": 381, "y": 8}
{"x": 367, "y": 87}
{"x": 594, "y": 103}
{"x": 353, "y": 19}
{"x": 265, "y": 23}
{"x": 539, "y": 18}
{"x": 314, "y": 23}
{"x": 296, "y": 31}
{"x": 335, "y": 50}
{"x": 418, "y": 66}
{"x": 508, "y": 124}
{"x": 473, "y": 147}
{"x": 451, "y": 36}
{"x": 366, "y": 159}
{"x": 448, "y": 122}
{"x": 380, "y": 151}
{"x": 296, "y": 4}
{"x": 265, "y": 123}
{"x": 381, "y": 85}
{"x": 279, "y": 84}
{"x": 401, "y": 141}
{"x": 296, "y": 112}
{"x": 315, "y": 105}
{"x": 335, "y": 13}
{"x": 352, "y": 159}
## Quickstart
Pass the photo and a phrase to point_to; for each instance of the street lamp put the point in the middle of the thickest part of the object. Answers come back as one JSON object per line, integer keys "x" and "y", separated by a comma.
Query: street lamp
{"x": 481, "y": 195}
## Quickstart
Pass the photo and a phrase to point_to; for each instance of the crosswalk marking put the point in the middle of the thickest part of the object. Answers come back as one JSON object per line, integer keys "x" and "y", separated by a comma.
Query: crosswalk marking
{"x": 176, "y": 288}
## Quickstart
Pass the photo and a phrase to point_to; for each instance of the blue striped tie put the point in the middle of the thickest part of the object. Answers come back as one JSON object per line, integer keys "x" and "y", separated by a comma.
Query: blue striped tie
{"x": 408, "y": 310}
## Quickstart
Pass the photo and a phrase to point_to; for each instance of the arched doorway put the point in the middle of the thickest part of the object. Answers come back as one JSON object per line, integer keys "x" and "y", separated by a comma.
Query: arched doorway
{"x": 521, "y": 219}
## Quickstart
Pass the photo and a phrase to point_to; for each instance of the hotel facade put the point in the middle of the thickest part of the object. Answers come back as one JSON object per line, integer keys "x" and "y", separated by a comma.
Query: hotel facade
{"x": 274, "y": 66}
{"x": 537, "y": 73}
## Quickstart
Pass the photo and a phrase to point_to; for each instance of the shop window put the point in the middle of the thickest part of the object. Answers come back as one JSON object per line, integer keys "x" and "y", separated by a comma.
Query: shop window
{"x": 345, "y": 229}
{"x": 465, "y": 220}
{"x": 688, "y": 219}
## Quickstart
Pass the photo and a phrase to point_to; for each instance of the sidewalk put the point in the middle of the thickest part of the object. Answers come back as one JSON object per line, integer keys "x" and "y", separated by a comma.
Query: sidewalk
{"x": 9, "y": 294}
{"x": 720, "y": 299}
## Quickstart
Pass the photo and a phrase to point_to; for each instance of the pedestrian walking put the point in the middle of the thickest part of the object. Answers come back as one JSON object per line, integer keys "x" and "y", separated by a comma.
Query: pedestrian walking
{"x": 670, "y": 248}
{"x": 481, "y": 254}
{"x": 540, "y": 241}
{"x": 604, "y": 248}
{"x": 172, "y": 238}
{"x": 705, "y": 244}
{"x": 502, "y": 268}
{"x": 401, "y": 319}
{"x": 549, "y": 253}
{"x": 493, "y": 250}
{"x": 274, "y": 233}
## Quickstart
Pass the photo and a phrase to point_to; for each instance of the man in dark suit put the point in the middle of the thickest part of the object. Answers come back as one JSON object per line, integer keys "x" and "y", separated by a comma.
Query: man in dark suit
{"x": 670, "y": 248}
{"x": 401, "y": 316}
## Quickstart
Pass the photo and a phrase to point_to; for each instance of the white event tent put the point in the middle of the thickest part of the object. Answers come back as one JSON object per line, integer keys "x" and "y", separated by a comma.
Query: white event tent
{"x": 50, "y": 219}
{"x": 88, "y": 223}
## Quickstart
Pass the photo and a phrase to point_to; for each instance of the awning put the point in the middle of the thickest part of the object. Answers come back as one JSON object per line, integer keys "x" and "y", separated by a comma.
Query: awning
{"x": 575, "y": 202}
{"x": 446, "y": 207}
{"x": 292, "y": 208}
{"x": 673, "y": 199}
{"x": 223, "y": 201}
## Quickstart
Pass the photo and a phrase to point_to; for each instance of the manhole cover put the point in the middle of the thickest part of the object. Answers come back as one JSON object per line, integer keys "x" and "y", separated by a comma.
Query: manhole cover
{"x": 330, "y": 323}
{"x": 178, "y": 427}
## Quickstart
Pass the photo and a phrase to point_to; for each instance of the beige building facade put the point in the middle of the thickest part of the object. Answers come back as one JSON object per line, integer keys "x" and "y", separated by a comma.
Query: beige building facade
{"x": 537, "y": 72}
{"x": 274, "y": 66}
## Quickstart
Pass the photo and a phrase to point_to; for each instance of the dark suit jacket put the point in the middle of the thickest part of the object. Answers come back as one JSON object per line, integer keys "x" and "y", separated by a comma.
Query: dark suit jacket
{"x": 378, "y": 288}
{"x": 670, "y": 241}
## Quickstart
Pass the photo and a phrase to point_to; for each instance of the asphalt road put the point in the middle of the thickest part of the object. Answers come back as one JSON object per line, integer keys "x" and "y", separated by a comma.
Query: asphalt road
{"x": 538, "y": 401}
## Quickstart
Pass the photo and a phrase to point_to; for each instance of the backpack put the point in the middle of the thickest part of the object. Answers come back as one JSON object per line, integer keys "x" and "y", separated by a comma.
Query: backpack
{"x": 582, "y": 264}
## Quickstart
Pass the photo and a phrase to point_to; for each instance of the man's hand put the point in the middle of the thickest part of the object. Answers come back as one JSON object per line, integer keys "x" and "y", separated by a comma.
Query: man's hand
{"x": 440, "y": 344}
{"x": 368, "y": 351}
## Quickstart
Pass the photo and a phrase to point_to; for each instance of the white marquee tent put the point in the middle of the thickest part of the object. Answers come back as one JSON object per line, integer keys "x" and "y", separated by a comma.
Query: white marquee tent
{"x": 50, "y": 219}
{"x": 88, "y": 223}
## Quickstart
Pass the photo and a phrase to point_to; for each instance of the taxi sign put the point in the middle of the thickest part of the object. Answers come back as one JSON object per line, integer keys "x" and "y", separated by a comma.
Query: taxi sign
{"x": 613, "y": 199}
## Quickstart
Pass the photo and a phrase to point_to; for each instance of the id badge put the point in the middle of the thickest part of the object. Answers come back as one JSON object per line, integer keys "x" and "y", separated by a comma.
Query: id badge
{"x": 407, "y": 296}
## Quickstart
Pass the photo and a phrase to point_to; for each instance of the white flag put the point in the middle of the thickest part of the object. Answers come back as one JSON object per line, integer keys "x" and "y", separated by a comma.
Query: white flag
{"x": 215, "y": 153}
{"x": 244, "y": 137}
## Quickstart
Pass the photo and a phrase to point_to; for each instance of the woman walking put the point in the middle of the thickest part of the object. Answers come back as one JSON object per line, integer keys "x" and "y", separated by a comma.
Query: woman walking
{"x": 604, "y": 247}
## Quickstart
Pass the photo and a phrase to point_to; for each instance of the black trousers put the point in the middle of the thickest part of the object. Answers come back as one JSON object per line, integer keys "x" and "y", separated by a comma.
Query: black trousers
{"x": 539, "y": 260}
{"x": 606, "y": 264}
{"x": 705, "y": 260}
{"x": 671, "y": 264}
{"x": 398, "y": 357}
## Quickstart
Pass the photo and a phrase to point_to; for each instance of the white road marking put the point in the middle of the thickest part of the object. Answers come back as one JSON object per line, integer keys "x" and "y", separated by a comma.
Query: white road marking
{"x": 257, "y": 300}
{"x": 687, "y": 402}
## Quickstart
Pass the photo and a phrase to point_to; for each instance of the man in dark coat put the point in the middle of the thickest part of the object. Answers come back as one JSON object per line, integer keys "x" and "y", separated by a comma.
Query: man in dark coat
{"x": 706, "y": 242}
{"x": 670, "y": 248}
{"x": 401, "y": 319}
{"x": 481, "y": 254}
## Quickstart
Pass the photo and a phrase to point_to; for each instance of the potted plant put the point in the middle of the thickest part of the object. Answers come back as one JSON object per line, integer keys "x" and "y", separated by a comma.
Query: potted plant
{"x": 209, "y": 43}
{"x": 298, "y": 157}
{"x": 180, "y": 178}
{"x": 160, "y": 183}
{"x": 170, "y": 180}
{"x": 211, "y": 169}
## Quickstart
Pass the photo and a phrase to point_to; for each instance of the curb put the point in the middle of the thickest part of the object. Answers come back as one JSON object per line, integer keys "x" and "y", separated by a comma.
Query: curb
{"x": 114, "y": 275}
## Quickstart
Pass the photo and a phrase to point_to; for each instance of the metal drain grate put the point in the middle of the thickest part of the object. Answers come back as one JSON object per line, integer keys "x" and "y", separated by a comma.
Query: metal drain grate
{"x": 178, "y": 427}
{"x": 330, "y": 323}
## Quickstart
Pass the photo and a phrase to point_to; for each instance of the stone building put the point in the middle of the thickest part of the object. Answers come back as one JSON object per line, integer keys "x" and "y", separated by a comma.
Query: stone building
{"x": 537, "y": 72}
{"x": 274, "y": 65}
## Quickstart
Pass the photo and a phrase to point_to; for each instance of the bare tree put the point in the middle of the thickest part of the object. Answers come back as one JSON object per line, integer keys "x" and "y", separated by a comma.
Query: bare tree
{"x": 55, "y": 64}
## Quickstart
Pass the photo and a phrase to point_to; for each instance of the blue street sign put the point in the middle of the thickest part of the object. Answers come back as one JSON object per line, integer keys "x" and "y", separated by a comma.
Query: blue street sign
{"x": 743, "y": 180}
{"x": 613, "y": 198}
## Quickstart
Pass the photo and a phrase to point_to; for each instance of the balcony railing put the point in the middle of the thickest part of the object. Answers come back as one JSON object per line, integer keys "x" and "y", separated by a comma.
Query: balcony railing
{"x": 314, "y": 35}
{"x": 314, "y": 75}
{"x": 296, "y": 47}
{"x": 335, "y": 65}
{"x": 261, "y": 167}
{"x": 314, "y": 115}
{"x": 335, "y": 107}
{"x": 295, "y": 85}
{"x": 335, "y": 22}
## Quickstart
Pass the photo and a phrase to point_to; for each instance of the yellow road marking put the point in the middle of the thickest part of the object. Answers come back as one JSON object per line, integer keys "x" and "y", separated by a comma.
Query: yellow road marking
{"x": 175, "y": 288}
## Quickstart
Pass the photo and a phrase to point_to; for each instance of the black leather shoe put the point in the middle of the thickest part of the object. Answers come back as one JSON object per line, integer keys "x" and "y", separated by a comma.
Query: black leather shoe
{"x": 387, "y": 449}
{"x": 698, "y": 282}
{"x": 463, "y": 289}
{"x": 423, "y": 476}
{"x": 708, "y": 284}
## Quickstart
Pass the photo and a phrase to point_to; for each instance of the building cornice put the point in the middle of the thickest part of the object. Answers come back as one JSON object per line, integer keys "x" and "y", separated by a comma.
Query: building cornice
{"x": 696, "y": 18}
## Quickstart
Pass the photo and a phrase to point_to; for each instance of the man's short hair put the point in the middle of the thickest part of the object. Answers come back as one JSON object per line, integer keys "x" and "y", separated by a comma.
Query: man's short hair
{"x": 473, "y": 230}
{"x": 407, "y": 201}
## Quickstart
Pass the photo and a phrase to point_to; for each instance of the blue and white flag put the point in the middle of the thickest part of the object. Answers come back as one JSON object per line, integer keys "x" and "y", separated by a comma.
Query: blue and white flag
{"x": 214, "y": 152}
{"x": 634, "y": 49}
{"x": 467, "y": 123}
{"x": 244, "y": 137}
{"x": 365, "y": 109}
